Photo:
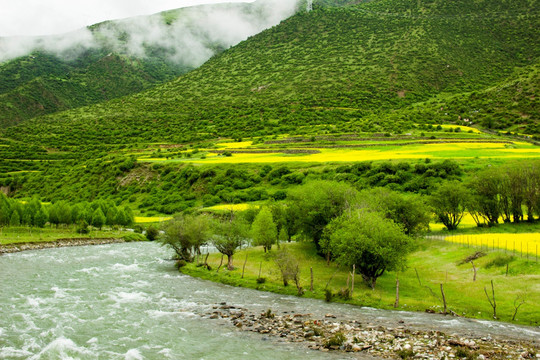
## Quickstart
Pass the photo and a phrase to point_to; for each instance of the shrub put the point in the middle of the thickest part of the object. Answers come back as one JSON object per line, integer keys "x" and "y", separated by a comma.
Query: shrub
{"x": 152, "y": 233}
{"x": 499, "y": 261}
{"x": 82, "y": 228}
{"x": 134, "y": 237}
{"x": 261, "y": 280}
{"x": 328, "y": 295}
{"x": 338, "y": 339}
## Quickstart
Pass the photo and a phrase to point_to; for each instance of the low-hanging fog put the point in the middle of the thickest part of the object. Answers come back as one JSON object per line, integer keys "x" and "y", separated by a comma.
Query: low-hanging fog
{"x": 189, "y": 39}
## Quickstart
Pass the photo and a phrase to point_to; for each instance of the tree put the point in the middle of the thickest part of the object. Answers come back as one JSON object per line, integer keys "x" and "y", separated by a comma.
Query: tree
{"x": 229, "y": 234}
{"x": 185, "y": 234}
{"x": 485, "y": 188}
{"x": 289, "y": 267}
{"x": 98, "y": 218}
{"x": 317, "y": 203}
{"x": 368, "y": 240}
{"x": 41, "y": 218}
{"x": 410, "y": 211}
{"x": 263, "y": 229}
{"x": 449, "y": 203}
{"x": 152, "y": 233}
{"x": 15, "y": 219}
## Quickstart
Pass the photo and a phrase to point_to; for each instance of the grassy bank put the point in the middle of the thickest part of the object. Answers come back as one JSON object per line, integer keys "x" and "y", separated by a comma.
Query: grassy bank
{"x": 436, "y": 263}
{"x": 14, "y": 235}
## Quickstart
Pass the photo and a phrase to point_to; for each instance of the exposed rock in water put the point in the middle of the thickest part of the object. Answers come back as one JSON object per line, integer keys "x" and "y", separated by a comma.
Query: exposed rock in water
{"x": 351, "y": 336}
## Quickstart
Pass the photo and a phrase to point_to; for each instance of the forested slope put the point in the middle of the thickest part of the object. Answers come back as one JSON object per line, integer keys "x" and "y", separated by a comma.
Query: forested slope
{"x": 351, "y": 67}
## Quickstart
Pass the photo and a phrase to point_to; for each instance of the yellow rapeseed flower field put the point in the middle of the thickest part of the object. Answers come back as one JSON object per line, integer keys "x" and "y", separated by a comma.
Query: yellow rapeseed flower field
{"x": 514, "y": 243}
{"x": 151, "y": 219}
{"x": 232, "y": 207}
{"x": 416, "y": 151}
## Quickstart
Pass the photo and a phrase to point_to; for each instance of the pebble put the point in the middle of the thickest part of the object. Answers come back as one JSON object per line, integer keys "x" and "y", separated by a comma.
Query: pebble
{"x": 373, "y": 339}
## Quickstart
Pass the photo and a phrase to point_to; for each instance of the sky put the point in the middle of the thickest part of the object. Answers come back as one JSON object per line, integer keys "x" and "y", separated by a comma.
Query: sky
{"x": 47, "y": 17}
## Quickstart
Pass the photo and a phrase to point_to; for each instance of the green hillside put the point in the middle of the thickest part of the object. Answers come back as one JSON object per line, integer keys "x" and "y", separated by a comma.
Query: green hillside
{"x": 113, "y": 59}
{"x": 352, "y": 67}
{"x": 107, "y": 77}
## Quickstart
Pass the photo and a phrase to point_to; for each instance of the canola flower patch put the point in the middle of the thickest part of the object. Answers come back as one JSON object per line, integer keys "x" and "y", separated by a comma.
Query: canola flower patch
{"x": 151, "y": 219}
{"x": 232, "y": 207}
{"x": 513, "y": 243}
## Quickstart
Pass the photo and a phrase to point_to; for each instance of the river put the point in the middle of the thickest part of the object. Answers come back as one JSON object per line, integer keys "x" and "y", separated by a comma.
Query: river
{"x": 126, "y": 301}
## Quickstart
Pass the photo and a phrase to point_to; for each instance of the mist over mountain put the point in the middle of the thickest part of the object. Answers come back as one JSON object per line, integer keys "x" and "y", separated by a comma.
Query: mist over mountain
{"x": 42, "y": 75}
{"x": 187, "y": 36}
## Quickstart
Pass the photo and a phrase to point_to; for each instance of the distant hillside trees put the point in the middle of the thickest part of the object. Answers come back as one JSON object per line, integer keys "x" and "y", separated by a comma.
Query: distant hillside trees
{"x": 62, "y": 213}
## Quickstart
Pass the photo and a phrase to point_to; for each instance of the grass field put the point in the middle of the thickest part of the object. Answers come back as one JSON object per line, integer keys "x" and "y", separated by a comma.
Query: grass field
{"x": 435, "y": 262}
{"x": 12, "y": 235}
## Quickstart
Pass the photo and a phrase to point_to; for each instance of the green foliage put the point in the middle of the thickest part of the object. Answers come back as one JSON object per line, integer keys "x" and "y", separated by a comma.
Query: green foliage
{"x": 229, "y": 234}
{"x": 369, "y": 241}
{"x": 411, "y": 212}
{"x": 82, "y": 228}
{"x": 449, "y": 203}
{"x": 499, "y": 261}
{"x": 331, "y": 70}
{"x": 134, "y": 237}
{"x": 185, "y": 234}
{"x": 152, "y": 233}
{"x": 263, "y": 230}
{"x": 98, "y": 219}
{"x": 317, "y": 203}
{"x": 336, "y": 340}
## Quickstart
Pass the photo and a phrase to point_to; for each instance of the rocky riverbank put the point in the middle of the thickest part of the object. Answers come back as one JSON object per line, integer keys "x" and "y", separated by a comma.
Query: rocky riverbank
{"x": 355, "y": 338}
{"x": 13, "y": 248}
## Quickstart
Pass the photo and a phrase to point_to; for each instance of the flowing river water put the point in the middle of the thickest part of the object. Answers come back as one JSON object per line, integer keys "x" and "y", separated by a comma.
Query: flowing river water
{"x": 125, "y": 301}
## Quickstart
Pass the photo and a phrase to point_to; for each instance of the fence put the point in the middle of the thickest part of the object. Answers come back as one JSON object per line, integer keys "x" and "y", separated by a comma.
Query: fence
{"x": 522, "y": 245}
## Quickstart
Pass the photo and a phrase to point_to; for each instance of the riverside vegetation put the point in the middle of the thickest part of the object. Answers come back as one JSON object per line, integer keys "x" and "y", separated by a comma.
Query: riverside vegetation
{"x": 343, "y": 134}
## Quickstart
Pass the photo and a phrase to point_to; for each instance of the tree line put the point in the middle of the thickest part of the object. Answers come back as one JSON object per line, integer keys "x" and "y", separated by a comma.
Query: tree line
{"x": 509, "y": 193}
{"x": 33, "y": 213}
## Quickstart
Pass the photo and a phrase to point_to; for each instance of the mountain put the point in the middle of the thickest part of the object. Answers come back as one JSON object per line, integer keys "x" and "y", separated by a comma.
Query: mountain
{"x": 43, "y": 75}
{"x": 358, "y": 67}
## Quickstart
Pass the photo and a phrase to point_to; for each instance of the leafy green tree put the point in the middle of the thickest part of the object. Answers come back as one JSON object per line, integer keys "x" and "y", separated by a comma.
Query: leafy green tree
{"x": 112, "y": 212}
{"x": 317, "y": 203}
{"x": 5, "y": 209}
{"x": 410, "y": 211}
{"x": 368, "y": 240}
{"x": 15, "y": 219}
{"x": 263, "y": 230}
{"x": 41, "y": 218}
{"x": 98, "y": 218}
{"x": 185, "y": 234}
{"x": 485, "y": 187}
{"x": 229, "y": 234}
{"x": 449, "y": 203}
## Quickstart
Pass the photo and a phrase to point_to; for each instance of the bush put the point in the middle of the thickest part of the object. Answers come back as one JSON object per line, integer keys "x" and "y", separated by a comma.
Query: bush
{"x": 261, "y": 280}
{"x": 82, "y": 228}
{"x": 499, "y": 261}
{"x": 134, "y": 237}
{"x": 180, "y": 264}
{"x": 328, "y": 295}
{"x": 152, "y": 233}
{"x": 338, "y": 339}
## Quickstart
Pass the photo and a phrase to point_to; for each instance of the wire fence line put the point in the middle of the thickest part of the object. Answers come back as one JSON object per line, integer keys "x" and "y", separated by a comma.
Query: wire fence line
{"x": 509, "y": 244}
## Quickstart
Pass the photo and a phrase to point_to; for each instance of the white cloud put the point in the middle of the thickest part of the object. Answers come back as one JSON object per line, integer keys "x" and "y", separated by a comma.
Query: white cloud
{"x": 46, "y": 17}
{"x": 190, "y": 41}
